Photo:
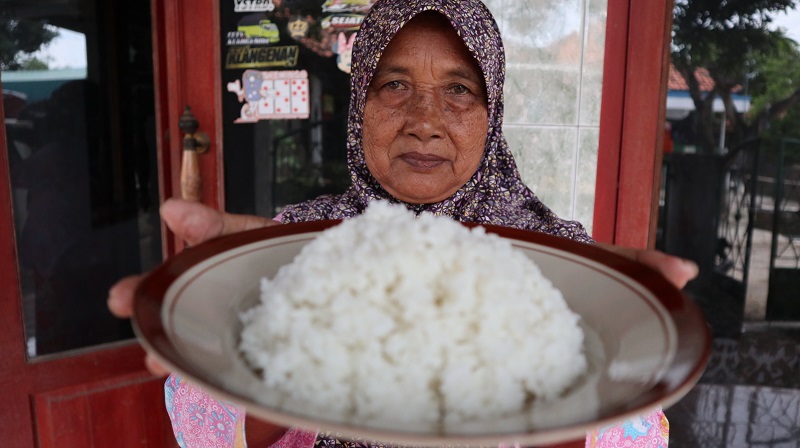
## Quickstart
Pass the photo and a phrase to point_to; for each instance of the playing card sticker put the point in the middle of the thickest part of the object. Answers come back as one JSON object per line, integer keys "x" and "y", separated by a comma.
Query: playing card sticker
{"x": 271, "y": 95}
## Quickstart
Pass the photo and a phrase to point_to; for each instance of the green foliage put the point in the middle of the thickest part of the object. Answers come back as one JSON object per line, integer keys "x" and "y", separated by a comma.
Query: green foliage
{"x": 778, "y": 77}
{"x": 718, "y": 34}
{"x": 20, "y": 38}
{"x": 775, "y": 75}
{"x": 33, "y": 64}
{"x": 732, "y": 39}
{"x": 787, "y": 128}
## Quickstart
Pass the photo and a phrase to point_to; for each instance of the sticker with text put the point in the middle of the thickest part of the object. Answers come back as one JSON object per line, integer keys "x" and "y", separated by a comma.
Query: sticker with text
{"x": 254, "y": 29}
{"x": 253, "y": 5}
{"x": 342, "y": 22}
{"x": 271, "y": 95}
{"x": 261, "y": 57}
{"x": 338, "y": 6}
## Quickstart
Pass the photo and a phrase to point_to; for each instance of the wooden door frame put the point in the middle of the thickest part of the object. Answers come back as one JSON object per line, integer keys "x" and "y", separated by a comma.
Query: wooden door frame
{"x": 33, "y": 389}
{"x": 632, "y": 116}
{"x": 122, "y": 361}
{"x": 187, "y": 69}
{"x": 632, "y": 121}
{"x": 629, "y": 158}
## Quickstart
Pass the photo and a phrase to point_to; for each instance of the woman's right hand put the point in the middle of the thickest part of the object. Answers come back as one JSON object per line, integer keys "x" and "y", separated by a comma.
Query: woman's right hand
{"x": 193, "y": 223}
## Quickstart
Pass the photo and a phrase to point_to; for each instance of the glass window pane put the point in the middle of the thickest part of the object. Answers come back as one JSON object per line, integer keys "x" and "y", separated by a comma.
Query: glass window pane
{"x": 285, "y": 103}
{"x": 555, "y": 53}
{"x": 79, "y": 114}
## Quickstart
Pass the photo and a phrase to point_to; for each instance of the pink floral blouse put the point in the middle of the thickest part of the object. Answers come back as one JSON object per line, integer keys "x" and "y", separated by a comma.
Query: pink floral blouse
{"x": 200, "y": 421}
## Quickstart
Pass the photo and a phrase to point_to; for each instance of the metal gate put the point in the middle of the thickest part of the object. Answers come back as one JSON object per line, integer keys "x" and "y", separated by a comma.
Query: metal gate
{"x": 783, "y": 298}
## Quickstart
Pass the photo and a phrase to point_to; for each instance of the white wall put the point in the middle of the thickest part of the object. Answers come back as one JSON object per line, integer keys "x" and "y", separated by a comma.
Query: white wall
{"x": 554, "y": 52}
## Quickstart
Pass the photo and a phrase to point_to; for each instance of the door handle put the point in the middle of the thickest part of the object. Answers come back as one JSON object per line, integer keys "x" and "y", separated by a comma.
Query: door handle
{"x": 194, "y": 143}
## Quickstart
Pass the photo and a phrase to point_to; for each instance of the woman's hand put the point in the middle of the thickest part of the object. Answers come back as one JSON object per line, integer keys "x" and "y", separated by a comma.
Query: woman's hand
{"x": 677, "y": 270}
{"x": 193, "y": 223}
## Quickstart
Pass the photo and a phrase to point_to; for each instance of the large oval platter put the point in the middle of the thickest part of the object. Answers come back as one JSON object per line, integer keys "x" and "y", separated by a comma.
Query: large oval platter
{"x": 647, "y": 343}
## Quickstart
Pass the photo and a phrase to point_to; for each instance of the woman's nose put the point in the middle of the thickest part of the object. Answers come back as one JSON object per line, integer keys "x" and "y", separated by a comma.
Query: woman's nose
{"x": 425, "y": 116}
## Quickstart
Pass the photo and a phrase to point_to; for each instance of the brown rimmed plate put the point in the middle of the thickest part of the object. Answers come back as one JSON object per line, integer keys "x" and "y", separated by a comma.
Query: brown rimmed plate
{"x": 647, "y": 343}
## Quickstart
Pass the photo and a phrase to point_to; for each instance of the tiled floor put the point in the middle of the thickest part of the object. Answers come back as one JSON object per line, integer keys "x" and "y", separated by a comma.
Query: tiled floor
{"x": 749, "y": 396}
{"x": 715, "y": 415}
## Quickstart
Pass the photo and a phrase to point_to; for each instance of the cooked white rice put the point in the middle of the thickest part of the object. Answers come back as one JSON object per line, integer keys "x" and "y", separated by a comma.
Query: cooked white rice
{"x": 389, "y": 317}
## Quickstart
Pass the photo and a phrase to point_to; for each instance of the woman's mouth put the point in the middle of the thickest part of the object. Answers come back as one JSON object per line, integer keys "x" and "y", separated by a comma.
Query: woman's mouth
{"x": 422, "y": 161}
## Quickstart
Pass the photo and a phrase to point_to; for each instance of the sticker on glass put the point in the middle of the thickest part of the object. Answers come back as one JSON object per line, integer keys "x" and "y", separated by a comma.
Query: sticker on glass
{"x": 253, "y": 5}
{"x": 343, "y": 47}
{"x": 261, "y": 57}
{"x": 298, "y": 27}
{"x": 342, "y": 22}
{"x": 338, "y": 6}
{"x": 254, "y": 29}
{"x": 271, "y": 95}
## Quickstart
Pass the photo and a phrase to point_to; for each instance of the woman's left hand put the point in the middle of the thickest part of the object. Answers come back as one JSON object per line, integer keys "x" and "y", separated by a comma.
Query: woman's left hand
{"x": 677, "y": 270}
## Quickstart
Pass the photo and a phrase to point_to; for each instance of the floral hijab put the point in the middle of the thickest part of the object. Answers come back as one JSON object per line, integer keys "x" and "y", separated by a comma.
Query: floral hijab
{"x": 495, "y": 194}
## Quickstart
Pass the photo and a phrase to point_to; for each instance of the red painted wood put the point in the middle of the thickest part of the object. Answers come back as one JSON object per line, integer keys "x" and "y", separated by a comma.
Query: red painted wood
{"x": 173, "y": 90}
{"x": 643, "y": 123}
{"x": 110, "y": 369}
{"x": 16, "y": 406}
{"x": 92, "y": 365}
{"x": 167, "y": 184}
{"x": 611, "y": 110}
{"x": 103, "y": 414}
{"x": 192, "y": 79}
{"x": 63, "y": 422}
{"x": 632, "y": 122}
{"x": 36, "y": 395}
{"x": 190, "y": 61}
{"x": 187, "y": 73}
{"x": 219, "y": 156}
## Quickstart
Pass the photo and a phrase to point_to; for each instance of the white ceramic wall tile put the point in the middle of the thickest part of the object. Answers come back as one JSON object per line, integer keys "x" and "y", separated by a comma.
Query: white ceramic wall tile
{"x": 542, "y": 96}
{"x": 586, "y": 176}
{"x": 543, "y": 52}
{"x": 554, "y": 53}
{"x": 592, "y": 67}
{"x": 546, "y": 161}
{"x": 530, "y": 25}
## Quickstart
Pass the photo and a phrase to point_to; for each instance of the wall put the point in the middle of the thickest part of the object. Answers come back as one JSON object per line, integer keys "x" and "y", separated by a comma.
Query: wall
{"x": 554, "y": 52}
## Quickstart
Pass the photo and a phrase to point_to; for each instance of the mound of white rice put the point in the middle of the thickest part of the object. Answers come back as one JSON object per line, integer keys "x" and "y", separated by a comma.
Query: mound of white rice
{"x": 389, "y": 317}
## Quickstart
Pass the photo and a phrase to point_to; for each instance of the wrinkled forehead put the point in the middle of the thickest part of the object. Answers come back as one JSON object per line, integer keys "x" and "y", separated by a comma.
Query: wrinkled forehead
{"x": 470, "y": 19}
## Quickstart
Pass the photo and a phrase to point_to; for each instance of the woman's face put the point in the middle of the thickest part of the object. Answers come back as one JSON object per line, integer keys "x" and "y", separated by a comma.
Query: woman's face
{"x": 425, "y": 118}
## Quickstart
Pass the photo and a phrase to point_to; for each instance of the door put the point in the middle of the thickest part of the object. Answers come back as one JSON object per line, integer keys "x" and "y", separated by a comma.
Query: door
{"x": 92, "y": 96}
{"x": 75, "y": 385}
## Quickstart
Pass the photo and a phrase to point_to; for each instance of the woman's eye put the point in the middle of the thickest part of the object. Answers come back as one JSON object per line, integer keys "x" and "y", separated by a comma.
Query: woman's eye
{"x": 394, "y": 85}
{"x": 459, "y": 89}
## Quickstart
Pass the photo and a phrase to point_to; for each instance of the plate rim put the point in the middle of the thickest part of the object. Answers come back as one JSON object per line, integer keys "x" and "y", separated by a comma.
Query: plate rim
{"x": 149, "y": 329}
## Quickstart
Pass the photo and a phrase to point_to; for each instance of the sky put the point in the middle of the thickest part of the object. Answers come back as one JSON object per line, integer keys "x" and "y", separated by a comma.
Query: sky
{"x": 69, "y": 49}
{"x": 790, "y": 23}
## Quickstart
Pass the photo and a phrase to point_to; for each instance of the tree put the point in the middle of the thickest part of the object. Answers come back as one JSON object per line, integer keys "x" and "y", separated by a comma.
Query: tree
{"x": 20, "y": 38}
{"x": 33, "y": 64}
{"x": 777, "y": 77}
{"x": 730, "y": 38}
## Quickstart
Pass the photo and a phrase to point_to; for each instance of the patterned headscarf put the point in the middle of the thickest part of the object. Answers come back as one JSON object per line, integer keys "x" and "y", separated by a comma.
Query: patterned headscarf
{"x": 495, "y": 194}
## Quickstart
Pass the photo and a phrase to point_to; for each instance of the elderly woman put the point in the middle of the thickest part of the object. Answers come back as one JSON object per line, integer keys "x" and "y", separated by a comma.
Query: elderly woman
{"x": 425, "y": 130}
